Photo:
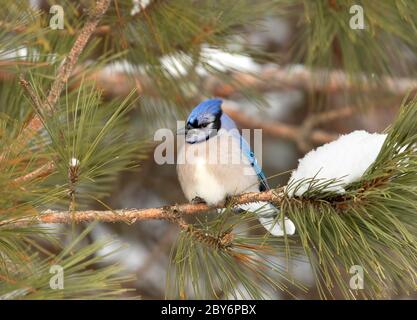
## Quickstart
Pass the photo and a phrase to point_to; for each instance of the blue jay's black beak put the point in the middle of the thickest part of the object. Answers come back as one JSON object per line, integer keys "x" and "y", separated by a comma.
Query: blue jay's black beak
{"x": 182, "y": 131}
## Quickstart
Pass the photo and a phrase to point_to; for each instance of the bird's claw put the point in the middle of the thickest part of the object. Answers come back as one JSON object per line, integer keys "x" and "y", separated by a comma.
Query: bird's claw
{"x": 197, "y": 200}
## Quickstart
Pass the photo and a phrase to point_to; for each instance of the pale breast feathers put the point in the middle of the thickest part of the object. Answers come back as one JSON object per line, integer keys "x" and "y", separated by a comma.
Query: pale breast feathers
{"x": 216, "y": 168}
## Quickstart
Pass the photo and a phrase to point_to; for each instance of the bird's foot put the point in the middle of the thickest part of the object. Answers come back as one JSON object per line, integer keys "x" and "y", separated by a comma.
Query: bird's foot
{"x": 197, "y": 200}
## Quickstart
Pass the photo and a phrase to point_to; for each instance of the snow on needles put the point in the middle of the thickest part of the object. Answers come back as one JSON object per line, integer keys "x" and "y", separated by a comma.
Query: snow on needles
{"x": 345, "y": 159}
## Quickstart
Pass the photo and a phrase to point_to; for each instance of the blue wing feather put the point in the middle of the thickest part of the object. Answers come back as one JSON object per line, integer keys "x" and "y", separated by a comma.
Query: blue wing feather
{"x": 251, "y": 156}
{"x": 228, "y": 124}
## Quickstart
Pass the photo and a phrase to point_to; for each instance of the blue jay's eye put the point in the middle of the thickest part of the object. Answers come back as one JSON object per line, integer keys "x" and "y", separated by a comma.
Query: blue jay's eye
{"x": 192, "y": 124}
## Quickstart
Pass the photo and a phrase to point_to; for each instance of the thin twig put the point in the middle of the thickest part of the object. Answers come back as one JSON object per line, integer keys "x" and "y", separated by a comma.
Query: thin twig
{"x": 276, "y": 128}
{"x": 35, "y": 123}
{"x": 42, "y": 171}
{"x": 316, "y": 119}
{"x": 65, "y": 70}
{"x": 29, "y": 91}
{"x": 306, "y": 130}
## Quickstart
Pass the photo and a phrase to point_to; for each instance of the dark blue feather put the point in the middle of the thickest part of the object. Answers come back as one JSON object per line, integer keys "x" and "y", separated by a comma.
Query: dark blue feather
{"x": 229, "y": 124}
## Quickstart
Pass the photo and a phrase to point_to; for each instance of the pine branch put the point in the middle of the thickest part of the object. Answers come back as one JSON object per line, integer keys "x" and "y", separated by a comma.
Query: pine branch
{"x": 170, "y": 213}
{"x": 334, "y": 80}
{"x": 67, "y": 67}
{"x": 63, "y": 74}
{"x": 269, "y": 78}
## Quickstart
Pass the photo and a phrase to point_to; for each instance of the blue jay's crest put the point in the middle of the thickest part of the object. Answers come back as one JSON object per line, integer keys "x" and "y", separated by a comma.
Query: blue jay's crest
{"x": 206, "y": 111}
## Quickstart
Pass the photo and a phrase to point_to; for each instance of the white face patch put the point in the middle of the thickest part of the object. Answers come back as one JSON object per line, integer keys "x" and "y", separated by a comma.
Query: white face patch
{"x": 205, "y": 128}
{"x": 200, "y": 135}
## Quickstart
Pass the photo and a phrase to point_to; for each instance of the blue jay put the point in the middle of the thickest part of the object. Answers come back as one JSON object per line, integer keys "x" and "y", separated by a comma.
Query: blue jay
{"x": 216, "y": 162}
